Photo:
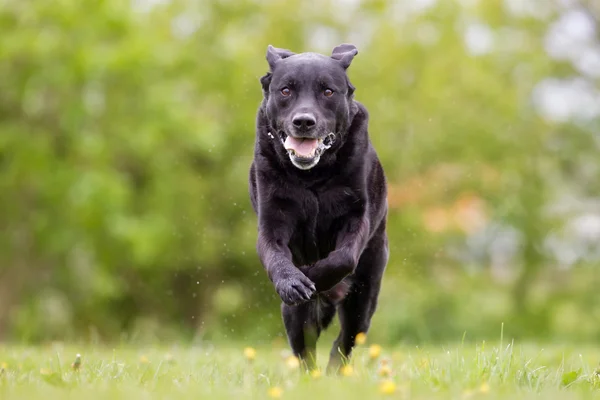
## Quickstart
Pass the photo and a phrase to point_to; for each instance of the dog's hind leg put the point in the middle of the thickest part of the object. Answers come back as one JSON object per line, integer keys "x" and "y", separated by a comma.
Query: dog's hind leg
{"x": 357, "y": 309}
{"x": 303, "y": 324}
{"x": 302, "y": 331}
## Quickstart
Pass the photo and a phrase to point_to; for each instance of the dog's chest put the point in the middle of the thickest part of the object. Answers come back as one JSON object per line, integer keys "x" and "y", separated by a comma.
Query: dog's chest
{"x": 320, "y": 219}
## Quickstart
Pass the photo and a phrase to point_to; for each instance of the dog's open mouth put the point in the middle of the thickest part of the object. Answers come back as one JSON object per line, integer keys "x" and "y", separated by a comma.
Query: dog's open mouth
{"x": 305, "y": 153}
{"x": 301, "y": 147}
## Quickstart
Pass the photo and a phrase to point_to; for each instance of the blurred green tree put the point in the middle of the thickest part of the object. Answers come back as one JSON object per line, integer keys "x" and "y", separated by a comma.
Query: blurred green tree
{"x": 126, "y": 133}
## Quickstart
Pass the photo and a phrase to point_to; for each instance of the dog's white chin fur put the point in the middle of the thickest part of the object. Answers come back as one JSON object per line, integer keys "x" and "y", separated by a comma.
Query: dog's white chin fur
{"x": 314, "y": 162}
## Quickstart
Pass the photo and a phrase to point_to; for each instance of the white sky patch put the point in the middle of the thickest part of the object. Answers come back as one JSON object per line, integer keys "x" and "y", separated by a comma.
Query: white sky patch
{"x": 479, "y": 39}
{"x": 540, "y": 9}
{"x": 567, "y": 3}
{"x": 362, "y": 34}
{"x": 562, "y": 100}
{"x": 145, "y": 6}
{"x": 572, "y": 37}
{"x": 345, "y": 9}
{"x": 403, "y": 10}
{"x": 587, "y": 227}
{"x": 420, "y": 6}
{"x": 589, "y": 62}
{"x": 185, "y": 25}
{"x": 580, "y": 240}
{"x": 572, "y": 34}
{"x": 322, "y": 39}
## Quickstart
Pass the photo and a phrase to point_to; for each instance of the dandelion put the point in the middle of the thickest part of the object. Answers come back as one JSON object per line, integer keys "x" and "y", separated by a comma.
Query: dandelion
{"x": 77, "y": 363}
{"x": 374, "y": 351}
{"x": 384, "y": 370}
{"x": 387, "y": 387}
{"x": 45, "y": 371}
{"x": 292, "y": 362}
{"x": 315, "y": 373}
{"x": 4, "y": 365}
{"x": 484, "y": 388}
{"x": 275, "y": 392}
{"x": 347, "y": 370}
{"x": 361, "y": 338}
{"x": 144, "y": 360}
{"x": 249, "y": 353}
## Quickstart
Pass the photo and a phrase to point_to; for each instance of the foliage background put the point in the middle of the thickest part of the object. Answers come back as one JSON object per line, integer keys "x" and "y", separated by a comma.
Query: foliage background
{"x": 127, "y": 129}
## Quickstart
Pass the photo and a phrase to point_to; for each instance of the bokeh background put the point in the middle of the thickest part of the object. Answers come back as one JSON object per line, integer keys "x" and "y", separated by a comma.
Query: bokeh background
{"x": 127, "y": 130}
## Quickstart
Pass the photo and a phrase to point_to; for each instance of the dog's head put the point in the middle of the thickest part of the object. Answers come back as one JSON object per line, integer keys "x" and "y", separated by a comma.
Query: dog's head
{"x": 307, "y": 99}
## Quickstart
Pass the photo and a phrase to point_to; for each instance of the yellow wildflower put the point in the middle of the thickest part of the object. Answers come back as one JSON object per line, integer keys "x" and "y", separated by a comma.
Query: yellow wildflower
{"x": 374, "y": 351}
{"x": 361, "y": 338}
{"x": 249, "y": 353}
{"x": 292, "y": 362}
{"x": 385, "y": 370}
{"x": 484, "y": 388}
{"x": 144, "y": 359}
{"x": 275, "y": 392}
{"x": 387, "y": 387}
{"x": 347, "y": 370}
{"x": 315, "y": 373}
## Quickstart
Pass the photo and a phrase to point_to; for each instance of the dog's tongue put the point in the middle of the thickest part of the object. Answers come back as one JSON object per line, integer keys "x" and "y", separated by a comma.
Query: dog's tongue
{"x": 302, "y": 147}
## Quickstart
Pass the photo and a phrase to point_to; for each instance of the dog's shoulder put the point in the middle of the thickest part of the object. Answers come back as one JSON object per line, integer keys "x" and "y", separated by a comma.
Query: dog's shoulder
{"x": 361, "y": 109}
{"x": 366, "y": 158}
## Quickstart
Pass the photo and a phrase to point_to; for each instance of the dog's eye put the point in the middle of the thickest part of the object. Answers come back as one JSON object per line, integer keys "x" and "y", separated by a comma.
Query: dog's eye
{"x": 328, "y": 92}
{"x": 286, "y": 92}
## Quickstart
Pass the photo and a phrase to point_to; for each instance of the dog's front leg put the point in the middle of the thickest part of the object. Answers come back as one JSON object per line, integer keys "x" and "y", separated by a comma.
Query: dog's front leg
{"x": 341, "y": 262}
{"x": 273, "y": 237}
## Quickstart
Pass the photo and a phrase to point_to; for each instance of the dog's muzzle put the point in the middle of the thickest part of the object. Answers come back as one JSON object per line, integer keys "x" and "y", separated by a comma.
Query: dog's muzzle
{"x": 305, "y": 153}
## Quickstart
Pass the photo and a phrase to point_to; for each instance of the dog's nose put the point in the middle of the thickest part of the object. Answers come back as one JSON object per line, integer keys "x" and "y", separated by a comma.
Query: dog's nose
{"x": 304, "y": 121}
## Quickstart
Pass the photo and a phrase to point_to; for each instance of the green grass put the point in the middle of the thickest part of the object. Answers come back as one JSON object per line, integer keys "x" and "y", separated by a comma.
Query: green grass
{"x": 222, "y": 372}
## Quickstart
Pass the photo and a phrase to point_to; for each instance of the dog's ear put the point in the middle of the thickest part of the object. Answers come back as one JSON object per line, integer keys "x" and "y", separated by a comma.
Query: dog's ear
{"x": 274, "y": 54}
{"x": 344, "y": 53}
{"x": 265, "y": 81}
{"x": 351, "y": 88}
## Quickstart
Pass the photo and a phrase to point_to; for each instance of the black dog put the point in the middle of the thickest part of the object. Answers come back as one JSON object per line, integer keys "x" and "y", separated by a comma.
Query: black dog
{"x": 320, "y": 194}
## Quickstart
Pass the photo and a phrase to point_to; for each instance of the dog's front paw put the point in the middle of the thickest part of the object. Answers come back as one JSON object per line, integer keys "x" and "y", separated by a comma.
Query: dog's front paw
{"x": 295, "y": 288}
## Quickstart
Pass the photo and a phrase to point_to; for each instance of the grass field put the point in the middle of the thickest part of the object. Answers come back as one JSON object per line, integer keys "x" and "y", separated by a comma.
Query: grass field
{"x": 463, "y": 371}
